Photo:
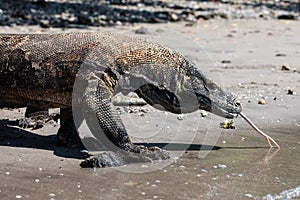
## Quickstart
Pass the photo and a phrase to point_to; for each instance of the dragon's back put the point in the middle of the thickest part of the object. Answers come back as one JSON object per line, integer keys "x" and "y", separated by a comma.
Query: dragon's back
{"x": 44, "y": 66}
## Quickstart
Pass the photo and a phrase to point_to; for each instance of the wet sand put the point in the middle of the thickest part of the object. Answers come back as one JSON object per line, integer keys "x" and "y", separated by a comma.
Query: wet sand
{"x": 220, "y": 164}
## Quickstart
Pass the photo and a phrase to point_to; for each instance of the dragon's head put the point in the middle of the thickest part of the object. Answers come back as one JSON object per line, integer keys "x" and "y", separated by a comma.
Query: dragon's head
{"x": 212, "y": 98}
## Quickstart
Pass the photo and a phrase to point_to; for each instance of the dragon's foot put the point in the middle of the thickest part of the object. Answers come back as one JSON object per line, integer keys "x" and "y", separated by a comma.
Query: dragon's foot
{"x": 106, "y": 159}
{"x": 69, "y": 137}
{"x": 37, "y": 121}
{"x": 29, "y": 122}
{"x": 136, "y": 154}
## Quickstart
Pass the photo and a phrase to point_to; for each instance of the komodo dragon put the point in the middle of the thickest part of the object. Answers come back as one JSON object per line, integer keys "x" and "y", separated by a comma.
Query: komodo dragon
{"x": 39, "y": 71}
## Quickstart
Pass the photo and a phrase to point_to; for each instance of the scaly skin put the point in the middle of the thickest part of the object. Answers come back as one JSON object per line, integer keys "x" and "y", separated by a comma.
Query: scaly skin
{"x": 39, "y": 71}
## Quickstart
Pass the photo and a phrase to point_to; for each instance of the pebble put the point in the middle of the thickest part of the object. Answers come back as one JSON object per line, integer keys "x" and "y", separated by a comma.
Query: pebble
{"x": 226, "y": 61}
{"x": 248, "y": 195}
{"x": 280, "y": 55}
{"x": 181, "y": 117}
{"x": 261, "y": 101}
{"x": 285, "y": 68}
{"x": 51, "y": 195}
{"x": 290, "y": 92}
{"x": 84, "y": 151}
{"x": 222, "y": 166}
{"x": 227, "y": 124}
{"x": 203, "y": 113}
{"x": 107, "y": 13}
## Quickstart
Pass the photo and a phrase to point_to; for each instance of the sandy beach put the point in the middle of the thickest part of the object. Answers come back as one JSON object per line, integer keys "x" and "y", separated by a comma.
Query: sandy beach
{"x": 246, "y": 57}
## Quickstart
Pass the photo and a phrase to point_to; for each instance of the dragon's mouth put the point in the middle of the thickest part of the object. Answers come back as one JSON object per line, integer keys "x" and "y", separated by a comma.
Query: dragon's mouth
{"x": 229, "y": 115}
{"x": 224, "y": 112}
{"x": 229, "y": 110}
{"x": 215, "y": 100}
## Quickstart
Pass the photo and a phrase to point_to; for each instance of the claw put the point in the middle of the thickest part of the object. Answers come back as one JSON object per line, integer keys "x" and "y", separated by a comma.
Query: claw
{"x": 136, "y": 154}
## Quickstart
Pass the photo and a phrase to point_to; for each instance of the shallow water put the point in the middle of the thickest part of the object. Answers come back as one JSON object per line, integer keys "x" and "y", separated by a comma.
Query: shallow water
{"x": 227, "y": 172}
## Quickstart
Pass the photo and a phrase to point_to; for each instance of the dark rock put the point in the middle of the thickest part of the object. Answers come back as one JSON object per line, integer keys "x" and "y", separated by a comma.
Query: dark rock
{"x": 45, "y": 23}
{"x": 230, "y": 35}
{"x": 226, "y": 62}
{"x": 224, "y": 15}
{"x": 287, "y": 17}
{"x": 280, "y": 55}
{"x": 285, "y": 68}
{"x": 204, "y": 15}
{"x": 84, "y": 18}
{"x": 290, "y": 92}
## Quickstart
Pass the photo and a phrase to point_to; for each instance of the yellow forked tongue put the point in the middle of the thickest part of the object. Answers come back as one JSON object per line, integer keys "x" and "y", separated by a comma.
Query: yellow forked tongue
{"x": 267, "y": 137}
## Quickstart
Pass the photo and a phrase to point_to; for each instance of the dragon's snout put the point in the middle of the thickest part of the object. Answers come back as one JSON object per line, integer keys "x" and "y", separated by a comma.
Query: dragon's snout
{"x": 213, "y": 99}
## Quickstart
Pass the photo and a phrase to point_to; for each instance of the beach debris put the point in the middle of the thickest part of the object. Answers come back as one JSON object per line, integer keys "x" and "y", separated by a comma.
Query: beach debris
{"x": 228, "y": 124}
{"x": 287, "y": 16}
{"x": 261, "y": 101}
{"x": 191, "y": 23}
{"x": 280, "y": 55}
{"x": 220, "y": 166}
{"x": 181, "y": 117}
{"x": 290, "y": 91}
{"x": 226, "y": 61}
{"x": 51, "y": 195}
{"x": 203, "y": 113}
{"x": 285, "y": 68}
{"x": 267, "y": 137}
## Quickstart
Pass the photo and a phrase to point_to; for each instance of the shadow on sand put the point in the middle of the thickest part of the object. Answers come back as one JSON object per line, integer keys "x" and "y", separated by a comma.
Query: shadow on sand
{"x": 17, "y": 137}
{"x": 11, "y": 135}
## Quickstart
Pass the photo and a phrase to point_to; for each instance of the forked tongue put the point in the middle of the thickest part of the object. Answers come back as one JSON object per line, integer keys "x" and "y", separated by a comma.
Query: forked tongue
{"x": 267, "y": 137}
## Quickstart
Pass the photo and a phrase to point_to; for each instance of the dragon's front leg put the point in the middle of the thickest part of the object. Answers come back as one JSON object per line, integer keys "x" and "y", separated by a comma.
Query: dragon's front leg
{"x": 105, "y": 124}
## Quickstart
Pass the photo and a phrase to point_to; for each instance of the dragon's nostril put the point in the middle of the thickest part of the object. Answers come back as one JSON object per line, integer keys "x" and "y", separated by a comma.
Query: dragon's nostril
{"x": 238, "y": 103}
